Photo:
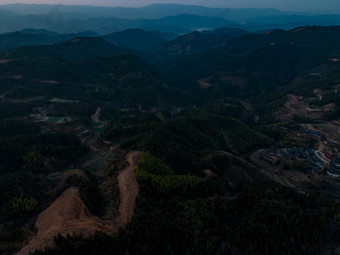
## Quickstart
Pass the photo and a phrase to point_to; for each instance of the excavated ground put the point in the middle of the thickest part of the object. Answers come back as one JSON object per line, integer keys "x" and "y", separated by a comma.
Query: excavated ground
{"x": 68, "y": 214}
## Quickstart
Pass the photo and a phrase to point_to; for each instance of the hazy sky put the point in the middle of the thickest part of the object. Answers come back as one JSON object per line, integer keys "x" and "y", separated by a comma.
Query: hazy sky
{"x": 297, "y": 5}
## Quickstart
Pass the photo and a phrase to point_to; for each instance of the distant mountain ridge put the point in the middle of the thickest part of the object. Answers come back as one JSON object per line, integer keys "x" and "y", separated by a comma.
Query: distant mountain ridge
{"x": 31, "y": 37}
{"x": 76, "y": 48}
{"x": 154, "y": 11}
{"x": 210, "y": 64}
{"x": 173, "y": 18}
{"x": 195, "y": 42}
{"x": 132, "y": 39}
{"x": 137, "y": 39}
{"x": 7, "y": 13}
{"x": 180, "y": 24}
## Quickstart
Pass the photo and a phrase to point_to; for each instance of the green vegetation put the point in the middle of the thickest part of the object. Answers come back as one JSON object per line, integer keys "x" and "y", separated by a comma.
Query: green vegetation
{"x": 301, "y": 119}
{"x": 198, "y": 118}
{"x": 9, "y": 110}
{"x": 156, "y": 176}
{"x": 290, "y": 141}
{"x": 183, "y": 139}
{"x": 330, "y": 98}
{"x": 25, "y": 153}
{"x": 88, "y": 188}
{"x": 17, "y": 150}
{"x": 33, "y": 158}
{"x": 22, "y": 206}
{"x": 263, "y": 219}
{"x": 152, "y": 165}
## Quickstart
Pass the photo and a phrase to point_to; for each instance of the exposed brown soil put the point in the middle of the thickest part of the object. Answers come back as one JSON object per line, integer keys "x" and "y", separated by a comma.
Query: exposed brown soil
{"x": 204, "y": 83}
{"x": 4, "y": 61}
{"x": 128, "y": 188}
{"x": 69, "y": 215}
{"x": 294, "y": 105}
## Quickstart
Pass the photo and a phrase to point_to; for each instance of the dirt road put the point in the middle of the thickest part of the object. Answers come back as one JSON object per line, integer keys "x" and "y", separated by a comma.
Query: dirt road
{"x": 95, "y": 117}
{"x": 128, "y": 188}
{"x": 273, "y": 174}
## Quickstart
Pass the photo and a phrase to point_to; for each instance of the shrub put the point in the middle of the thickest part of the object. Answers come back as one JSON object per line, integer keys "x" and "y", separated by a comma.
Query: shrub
{"x": 22, "y": 206}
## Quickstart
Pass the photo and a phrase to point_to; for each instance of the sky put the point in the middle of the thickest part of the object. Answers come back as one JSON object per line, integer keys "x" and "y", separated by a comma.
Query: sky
{"x": 287, "y": 5}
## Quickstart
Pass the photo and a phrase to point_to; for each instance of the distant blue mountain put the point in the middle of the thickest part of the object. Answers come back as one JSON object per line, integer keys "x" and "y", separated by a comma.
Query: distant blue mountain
{"x": 137, "y": 39}
{"x": 169, "y": 18}
{"x": 180, "y": 24}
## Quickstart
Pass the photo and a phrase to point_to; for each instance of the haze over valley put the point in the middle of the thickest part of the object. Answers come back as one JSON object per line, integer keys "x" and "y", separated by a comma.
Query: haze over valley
{"x": 164, "y": 128}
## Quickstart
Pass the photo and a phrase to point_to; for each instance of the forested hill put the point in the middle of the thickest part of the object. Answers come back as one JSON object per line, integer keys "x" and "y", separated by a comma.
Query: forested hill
{"x": 77, "y": 48}
{"x": 234, "y": 137}
{"x": 30, "y": 37}
{"x": 254, "y": 63}
{"x": 212, "y": 65}
{"x": 194, "y": 42}
{"x": 123, "y": 80}
{"x": 137, "y": 39}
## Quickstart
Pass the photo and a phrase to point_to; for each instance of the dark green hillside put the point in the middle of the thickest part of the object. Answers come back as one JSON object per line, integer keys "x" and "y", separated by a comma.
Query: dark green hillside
{"x": 27, "y": 156}
{"x": 253, "y": 223}
{"x": 251, "y": 64}
{"x": 233, "y": 139}
{"x": 183, "y": 140}
{"x": 24, "y": 150}
{"x": 122, "y": 80}
{"x": 183, "y": 69}
{"x": 136, "y": 39}
{"x": 78, "y": 48}
{"x": 17, "y": 39}
{"x": 32, "y": 37}
{"x": 194, "y": 43}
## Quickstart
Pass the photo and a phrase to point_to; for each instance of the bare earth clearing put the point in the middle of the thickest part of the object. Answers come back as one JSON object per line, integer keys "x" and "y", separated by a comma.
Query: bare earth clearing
{"x": 69, "y": 215}
{"x": 128, "y": 189}
{"x": 296, "y": 105}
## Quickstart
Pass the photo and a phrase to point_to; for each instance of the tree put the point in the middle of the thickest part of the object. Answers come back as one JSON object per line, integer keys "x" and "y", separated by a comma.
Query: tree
{"x": 33, "y": 158}
{"x": 23, "y": 205}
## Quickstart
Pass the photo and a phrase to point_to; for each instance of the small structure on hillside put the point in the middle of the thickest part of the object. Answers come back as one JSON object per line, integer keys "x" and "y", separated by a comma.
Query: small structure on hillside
{"x": 272, "y": 151}
{"x": 334, "y": 168}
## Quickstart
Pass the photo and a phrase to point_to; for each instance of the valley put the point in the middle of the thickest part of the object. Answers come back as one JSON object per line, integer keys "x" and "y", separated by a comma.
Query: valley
{"x": 217, "y": 141}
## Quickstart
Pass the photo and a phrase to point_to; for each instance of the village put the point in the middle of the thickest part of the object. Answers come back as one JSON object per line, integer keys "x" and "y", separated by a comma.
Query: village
{"x": 317, "y": 161}
{"x": 320, "y": 161}
{"x": 311, "y": 116}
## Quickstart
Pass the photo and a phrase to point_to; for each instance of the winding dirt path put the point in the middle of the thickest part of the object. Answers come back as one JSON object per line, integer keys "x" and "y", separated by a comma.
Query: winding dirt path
{"x": 95, "y": 117}
{"x": 128, "y": 188}
{"x": 68, "y": 214}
